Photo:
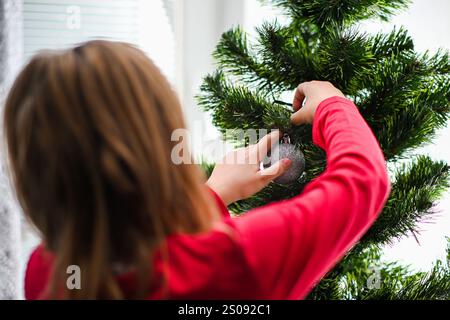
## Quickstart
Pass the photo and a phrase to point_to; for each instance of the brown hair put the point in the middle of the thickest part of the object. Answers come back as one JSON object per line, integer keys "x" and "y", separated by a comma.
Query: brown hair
{"x": 88, "y": 133}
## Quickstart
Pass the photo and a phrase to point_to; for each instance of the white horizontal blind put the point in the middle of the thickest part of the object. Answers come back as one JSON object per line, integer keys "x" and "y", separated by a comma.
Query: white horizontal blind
{"x": 57, "y": 24}
{"x": 60, "y": 23}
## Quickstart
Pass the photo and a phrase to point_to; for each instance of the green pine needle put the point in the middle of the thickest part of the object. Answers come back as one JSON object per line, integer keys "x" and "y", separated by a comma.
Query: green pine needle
{"x": 403, "y": 95}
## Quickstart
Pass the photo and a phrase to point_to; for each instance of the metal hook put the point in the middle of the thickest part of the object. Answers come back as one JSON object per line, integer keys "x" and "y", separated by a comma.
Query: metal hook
{"x": 282, "y": 103}
{"x": 286, "y": 138}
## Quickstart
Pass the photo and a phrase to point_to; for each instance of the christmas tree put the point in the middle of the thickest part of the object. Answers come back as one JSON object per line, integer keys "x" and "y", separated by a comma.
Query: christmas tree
{"x": 402, "y": 94}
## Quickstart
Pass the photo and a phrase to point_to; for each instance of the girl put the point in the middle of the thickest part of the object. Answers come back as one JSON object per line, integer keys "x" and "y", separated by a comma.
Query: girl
{"x": 88, "y": 134}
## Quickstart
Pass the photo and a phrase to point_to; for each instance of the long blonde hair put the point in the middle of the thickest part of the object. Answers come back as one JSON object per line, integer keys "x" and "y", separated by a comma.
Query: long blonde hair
{"x": 89, "y": 141}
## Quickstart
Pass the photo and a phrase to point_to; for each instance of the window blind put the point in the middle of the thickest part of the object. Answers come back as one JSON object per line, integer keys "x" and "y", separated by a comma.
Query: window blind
{"x": 60, "y": 23}
{"x": 57, "y": 24}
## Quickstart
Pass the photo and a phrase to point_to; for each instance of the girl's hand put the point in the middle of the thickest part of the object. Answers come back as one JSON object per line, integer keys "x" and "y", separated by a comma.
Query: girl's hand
{"x": 313, "y": 93}
{"x": 239, "y": 176}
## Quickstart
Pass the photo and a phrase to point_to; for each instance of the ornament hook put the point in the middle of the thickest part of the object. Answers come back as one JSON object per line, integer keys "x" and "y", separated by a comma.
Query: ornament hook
{"x": 286, "y": 138}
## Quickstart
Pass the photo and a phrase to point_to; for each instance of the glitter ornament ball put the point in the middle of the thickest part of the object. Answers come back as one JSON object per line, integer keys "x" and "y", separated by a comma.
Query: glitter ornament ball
{"x": 289, "y": 151}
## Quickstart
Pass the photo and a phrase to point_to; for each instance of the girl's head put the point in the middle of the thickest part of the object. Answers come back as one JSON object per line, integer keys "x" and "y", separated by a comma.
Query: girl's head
{"x": 88, "y": 133}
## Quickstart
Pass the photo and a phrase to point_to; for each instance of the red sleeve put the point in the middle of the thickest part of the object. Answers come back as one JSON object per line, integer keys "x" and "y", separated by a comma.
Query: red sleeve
{"x": 290, "y": 245}
{"x": 220, "y": 204}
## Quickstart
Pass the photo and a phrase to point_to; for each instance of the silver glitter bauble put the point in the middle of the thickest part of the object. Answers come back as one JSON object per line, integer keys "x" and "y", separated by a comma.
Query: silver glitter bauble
{"x": 289, "y": 151}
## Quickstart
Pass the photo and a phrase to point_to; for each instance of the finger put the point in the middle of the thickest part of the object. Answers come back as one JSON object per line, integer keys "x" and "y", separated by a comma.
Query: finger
{"x": 266, "y": 143}
{"x": 300, "y": 117}
{"x": 300, "y": 95}
{"x": 276, "y": 170}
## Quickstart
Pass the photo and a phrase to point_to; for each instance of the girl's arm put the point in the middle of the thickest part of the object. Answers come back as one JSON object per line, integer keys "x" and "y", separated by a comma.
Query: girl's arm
{"x": 290, "y": 245}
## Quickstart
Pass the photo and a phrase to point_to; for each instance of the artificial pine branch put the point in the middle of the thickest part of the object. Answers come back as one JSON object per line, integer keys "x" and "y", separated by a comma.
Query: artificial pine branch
{"x": 292, "y": 61}
{"x": 393, "y": 43}
{"x": 416, "y": 187}
{"x": 364, "y": 276}
{"x": 433, "y": 285}
{"x": 232, "y": 106}
{"x": 345, "y": 58}
{"x": 234, "y": 55}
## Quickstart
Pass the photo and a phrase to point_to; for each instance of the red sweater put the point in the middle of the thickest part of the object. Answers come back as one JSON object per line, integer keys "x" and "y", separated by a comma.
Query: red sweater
{"x": 281, "y": 250}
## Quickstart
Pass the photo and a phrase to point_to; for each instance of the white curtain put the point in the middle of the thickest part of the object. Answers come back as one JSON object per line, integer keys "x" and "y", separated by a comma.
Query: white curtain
{"x": 10, "y": 60}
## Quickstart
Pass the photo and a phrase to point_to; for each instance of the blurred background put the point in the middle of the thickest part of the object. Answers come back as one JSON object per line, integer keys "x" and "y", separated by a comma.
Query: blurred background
{"x": 180, "y": 35}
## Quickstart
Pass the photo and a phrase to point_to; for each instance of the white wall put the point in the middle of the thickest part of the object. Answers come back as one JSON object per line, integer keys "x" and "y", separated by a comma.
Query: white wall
{"x": 199, "y": 25}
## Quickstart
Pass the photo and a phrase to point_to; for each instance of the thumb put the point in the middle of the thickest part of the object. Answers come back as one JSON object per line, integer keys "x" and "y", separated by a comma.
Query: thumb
{"x": 276, "y": 170}
{"x": 300, "y": 116}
